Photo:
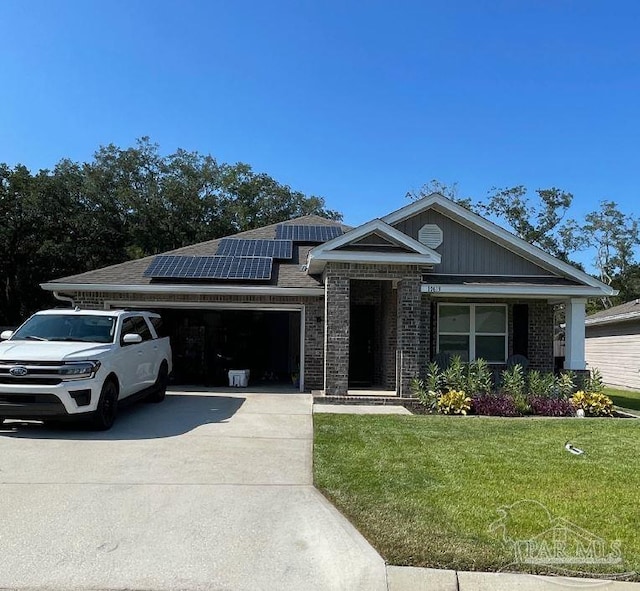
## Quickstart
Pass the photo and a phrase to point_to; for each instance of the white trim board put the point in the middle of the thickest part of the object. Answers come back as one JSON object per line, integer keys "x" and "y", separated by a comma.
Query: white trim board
{"x": 520, "y": 291}
{"x": 249, "y": 290}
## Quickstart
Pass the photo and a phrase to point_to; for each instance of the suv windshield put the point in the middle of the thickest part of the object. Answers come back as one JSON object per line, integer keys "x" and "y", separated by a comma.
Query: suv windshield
{"x": 67, "y": 327}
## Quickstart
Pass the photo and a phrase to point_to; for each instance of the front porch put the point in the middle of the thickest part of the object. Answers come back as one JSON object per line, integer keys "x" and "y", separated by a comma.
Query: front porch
{"x": 372, "y": 328}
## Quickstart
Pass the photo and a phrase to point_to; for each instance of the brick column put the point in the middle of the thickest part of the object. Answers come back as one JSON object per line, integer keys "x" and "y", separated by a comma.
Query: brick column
{"x": 336, "y": 334}
{"x": 409, "y": 326}
{"x": 540, "y": 335}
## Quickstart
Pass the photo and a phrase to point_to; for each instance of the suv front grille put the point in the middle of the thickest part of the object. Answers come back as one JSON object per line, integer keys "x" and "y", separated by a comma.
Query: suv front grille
{"x": 45, "y": 373}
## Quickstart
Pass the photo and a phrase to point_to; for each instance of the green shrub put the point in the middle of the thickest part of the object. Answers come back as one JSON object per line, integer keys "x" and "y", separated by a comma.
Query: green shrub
{"x": 522, "y": 404}
{"x": 428, "y": 398}
{"x": 594, "y": 404}
{"x": 454, "y": 377}
{"x": 479, "y": 378}
{"x": 566, "y": 384}
{"x": 593, "y": 382}
{"x": 513, "y": 382}
{"x": 433, "y": 380}
{"x": 541, "y": 385}
{"x": 454, "y": 402}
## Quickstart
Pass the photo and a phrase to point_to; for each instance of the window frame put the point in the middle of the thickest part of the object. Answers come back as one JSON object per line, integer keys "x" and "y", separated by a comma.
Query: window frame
{"x": 472, "y": 334}
{"x": 137, "y": 322}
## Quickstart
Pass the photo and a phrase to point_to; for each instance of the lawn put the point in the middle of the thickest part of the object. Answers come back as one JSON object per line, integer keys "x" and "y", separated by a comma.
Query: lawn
{"x": 626, "y": 399}
{"x": 425, "y": 490}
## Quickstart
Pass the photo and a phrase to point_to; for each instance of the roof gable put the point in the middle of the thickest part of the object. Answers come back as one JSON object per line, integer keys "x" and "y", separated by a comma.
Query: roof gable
{"x": 496, "y": 235}
{"x": 373, "y": 242}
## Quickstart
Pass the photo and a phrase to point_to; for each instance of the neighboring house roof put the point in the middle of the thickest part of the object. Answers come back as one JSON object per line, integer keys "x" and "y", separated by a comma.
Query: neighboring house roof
{"x": 622, "y": 313}
{"x": 286, "y": 274}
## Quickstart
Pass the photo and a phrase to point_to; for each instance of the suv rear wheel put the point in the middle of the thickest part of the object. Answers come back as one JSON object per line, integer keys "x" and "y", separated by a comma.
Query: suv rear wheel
{"x": 160, "y": 387}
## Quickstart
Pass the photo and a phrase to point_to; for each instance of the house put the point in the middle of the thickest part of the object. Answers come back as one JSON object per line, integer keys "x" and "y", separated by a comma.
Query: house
{"x": 341, "y": 308}
{"x": 613, "y": 344}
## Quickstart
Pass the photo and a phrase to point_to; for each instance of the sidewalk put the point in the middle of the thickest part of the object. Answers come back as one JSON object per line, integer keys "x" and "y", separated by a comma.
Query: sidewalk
{"x": 408, "y": 578}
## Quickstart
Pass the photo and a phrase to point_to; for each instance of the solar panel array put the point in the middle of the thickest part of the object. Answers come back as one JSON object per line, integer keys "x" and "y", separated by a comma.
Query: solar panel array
{"x": 240, "y": 259}
{"x": 277, "y": 249}
{"x": 210, "y": 267}
{"x": 307, "y": 233}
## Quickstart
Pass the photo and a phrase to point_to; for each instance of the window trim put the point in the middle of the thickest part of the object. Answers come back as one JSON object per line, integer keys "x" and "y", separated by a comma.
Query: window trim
{"x": 472, "y": 334}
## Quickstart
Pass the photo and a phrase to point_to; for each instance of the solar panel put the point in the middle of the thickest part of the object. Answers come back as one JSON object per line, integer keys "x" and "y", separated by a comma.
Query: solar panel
{"x": 307, "y": 233}
{"x": 278, "y": 249}
{"x": 211, "y": 267}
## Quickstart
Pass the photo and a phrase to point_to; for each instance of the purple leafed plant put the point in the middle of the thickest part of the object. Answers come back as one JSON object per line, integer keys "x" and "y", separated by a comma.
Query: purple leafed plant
{"x": 495, "y": 405}
{"x": 551, "y": 407}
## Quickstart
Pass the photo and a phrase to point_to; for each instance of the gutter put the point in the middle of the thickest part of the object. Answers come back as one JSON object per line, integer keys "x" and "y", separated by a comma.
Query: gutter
{"x": 183, "y": 289}
{"x": 64, "y": 298}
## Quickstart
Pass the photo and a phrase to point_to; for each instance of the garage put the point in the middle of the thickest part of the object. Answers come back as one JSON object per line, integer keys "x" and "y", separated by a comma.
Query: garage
{"x": 208, "y": 343}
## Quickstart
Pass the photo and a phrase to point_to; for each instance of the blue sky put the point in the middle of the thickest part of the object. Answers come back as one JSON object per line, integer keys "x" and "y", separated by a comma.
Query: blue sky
{"x": 358, "y": 102}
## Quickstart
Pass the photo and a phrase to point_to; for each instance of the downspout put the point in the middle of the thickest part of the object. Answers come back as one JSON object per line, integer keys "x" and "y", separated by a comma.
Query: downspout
{"x": 64, "y": 298}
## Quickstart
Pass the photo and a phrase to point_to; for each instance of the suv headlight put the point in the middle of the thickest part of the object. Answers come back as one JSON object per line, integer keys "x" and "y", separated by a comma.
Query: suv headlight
{"x": 79, "y": 370}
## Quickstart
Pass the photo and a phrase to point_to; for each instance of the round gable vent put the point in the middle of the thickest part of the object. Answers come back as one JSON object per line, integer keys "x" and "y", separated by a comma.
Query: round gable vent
{"x": 430, "y": 235}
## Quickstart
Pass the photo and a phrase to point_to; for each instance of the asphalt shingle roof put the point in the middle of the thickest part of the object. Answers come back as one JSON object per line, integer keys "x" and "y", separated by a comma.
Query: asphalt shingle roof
{"x": 285, "y": 273}
{"x": 617, "y": 313}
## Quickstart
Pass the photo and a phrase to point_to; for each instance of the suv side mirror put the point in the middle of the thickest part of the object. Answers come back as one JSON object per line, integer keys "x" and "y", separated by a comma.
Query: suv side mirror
{"x": 131, "y": 339}
{"x": 6, "y": 334}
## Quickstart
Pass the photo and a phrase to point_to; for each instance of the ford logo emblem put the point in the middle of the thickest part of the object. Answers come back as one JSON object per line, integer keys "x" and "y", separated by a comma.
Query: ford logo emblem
{"x": 18, "y": 371}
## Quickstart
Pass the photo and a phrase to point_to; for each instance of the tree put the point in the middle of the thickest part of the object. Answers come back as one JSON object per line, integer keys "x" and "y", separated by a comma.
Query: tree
{"x": 123, "y": 204}
{"x": 615, "y": 236}
{"x": 449, "y": 191}
{"x": 543, "y": 223}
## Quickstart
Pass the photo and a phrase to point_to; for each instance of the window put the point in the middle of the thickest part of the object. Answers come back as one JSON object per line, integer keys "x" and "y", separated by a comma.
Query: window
{"x": 158, "y": 326}
{"x": 135, "y": 325}
{"x": 473, "y": 331}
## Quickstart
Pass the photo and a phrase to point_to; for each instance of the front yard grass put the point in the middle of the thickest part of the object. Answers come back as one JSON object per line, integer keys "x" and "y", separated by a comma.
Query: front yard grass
{"x": 425, "y": 490}
{"x": 625, "y": 399}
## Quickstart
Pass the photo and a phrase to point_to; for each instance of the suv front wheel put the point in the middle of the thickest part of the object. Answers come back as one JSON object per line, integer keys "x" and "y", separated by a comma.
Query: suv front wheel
{"x": 105, "y": 414}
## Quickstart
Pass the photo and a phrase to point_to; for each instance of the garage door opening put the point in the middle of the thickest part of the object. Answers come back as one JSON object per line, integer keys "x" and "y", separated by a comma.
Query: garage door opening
{"x": 206, "y": 344}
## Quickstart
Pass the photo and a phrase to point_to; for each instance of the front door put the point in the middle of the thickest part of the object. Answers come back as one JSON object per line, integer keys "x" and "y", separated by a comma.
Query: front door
{"x": 361, "y": 345}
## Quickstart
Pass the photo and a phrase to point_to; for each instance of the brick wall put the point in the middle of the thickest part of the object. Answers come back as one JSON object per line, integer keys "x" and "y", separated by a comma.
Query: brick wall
{"x": 540, "y": 334}
{"x": 336, "y": 343}
{"x": 409, "y": 329}
{"x": 405, "y": 321}
{"x": 388, "y": 340}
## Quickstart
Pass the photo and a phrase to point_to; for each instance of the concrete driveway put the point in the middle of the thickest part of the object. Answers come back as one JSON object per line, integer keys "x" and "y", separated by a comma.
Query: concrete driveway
{"x": 201, "y": 492}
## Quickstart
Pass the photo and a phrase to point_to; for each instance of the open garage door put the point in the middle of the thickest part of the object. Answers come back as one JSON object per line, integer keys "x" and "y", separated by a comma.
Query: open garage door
{"x": 206, "y": 344}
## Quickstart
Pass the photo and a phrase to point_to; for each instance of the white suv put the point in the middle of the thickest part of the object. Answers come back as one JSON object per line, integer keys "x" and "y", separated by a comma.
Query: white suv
{"x": 63, "y": 364}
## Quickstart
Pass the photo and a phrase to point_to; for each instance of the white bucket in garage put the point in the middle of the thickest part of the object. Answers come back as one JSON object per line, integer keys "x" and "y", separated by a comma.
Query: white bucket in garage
{"x": 239, "y": 378}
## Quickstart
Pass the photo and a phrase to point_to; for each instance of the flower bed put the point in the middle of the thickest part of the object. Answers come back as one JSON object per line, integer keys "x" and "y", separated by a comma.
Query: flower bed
{"x": 469, "y": 388}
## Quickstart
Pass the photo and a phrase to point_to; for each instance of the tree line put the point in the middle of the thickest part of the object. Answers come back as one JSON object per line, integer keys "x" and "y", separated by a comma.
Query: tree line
{"x": 542, "y": 218}
{"x": 132, "y": 202}
{"x": 125, "y": 203}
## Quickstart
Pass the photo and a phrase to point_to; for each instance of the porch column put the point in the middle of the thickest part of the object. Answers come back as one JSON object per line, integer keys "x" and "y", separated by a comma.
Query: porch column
{"x": 574, "y": 334}
{"x": 408, "y": 332}
{"x": 336, "y": 334}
